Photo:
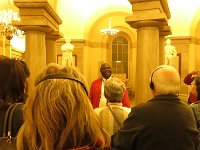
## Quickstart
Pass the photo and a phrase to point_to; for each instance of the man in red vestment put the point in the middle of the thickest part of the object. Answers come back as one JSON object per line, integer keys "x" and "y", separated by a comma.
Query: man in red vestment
{"x": 97, "y": 88}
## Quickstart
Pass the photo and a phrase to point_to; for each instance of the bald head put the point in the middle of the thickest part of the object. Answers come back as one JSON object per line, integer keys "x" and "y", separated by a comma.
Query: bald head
{"x": 106, "y": 70}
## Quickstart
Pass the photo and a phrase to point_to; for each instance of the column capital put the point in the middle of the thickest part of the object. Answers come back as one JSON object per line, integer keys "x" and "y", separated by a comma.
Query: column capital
{"x": 60, "y": 42}
{"x": 146, "y": 23}
{"x": 165, "y": 30}
{"x": 149, "y": 5}
{"x": 149, "y": 13}
{"x": 37, "y": 14}
{"x": 54, "y": 35}
{"x": 44, "y": 29}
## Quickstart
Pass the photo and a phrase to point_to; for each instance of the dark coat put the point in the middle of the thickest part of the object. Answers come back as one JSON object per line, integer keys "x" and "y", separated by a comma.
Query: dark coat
{"x": 162, "y": 123}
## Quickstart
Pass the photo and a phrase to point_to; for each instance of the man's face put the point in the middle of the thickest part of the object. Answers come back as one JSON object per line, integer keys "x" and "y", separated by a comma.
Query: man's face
{"x": 106, "y": 71}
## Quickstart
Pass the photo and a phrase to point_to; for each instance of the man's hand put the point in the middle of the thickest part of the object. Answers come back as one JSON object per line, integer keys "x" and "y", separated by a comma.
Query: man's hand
{"x": 195, "y": 73}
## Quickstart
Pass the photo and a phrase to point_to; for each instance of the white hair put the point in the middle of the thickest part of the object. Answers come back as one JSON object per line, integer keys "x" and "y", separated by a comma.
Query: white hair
{"x": 114, "y": 88}
{"x": 166, "y": 80}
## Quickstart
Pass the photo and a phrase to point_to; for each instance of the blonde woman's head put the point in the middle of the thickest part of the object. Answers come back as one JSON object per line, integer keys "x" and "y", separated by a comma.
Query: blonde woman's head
{"x": 58, "y": 114}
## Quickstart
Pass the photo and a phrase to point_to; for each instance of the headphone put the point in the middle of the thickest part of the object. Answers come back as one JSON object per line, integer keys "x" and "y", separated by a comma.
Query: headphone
{"x": 151, "y": 82}
{"x": 63, "y": 76}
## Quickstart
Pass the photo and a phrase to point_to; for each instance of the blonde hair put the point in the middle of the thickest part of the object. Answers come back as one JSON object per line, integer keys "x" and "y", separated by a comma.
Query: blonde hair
{"x": 166, "y": 80}
{"x": 59, "y": 115}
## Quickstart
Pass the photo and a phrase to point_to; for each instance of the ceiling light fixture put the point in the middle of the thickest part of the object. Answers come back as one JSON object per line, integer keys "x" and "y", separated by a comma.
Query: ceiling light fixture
{"x": 6, "y": 23}
{"x": 109, "y": 30}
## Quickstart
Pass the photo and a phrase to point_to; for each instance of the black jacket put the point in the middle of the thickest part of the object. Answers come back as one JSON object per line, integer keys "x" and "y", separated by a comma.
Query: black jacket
{"x": 162, "y": 123}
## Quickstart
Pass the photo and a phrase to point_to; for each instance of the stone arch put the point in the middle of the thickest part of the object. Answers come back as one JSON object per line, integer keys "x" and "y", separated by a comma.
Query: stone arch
{"x": 102, "y": 14}
{"x": 93, "y": 34}
{"x": 131, "y": 37}
{"x": 118, "y": 22}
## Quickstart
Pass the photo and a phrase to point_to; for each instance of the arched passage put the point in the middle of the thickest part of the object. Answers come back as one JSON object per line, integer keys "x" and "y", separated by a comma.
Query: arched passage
{"x": 100, "y": 50}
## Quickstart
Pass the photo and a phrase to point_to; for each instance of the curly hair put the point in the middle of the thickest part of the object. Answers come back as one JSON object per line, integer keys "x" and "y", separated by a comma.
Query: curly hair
{"x": 114, "y": 89}
{"x": 59, "y": 115}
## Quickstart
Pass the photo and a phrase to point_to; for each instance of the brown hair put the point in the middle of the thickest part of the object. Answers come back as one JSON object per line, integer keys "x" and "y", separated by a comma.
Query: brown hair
{"x": 12, "y": 80}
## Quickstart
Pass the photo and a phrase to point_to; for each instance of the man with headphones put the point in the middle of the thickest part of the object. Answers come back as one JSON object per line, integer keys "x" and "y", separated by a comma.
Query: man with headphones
{"x": 163, "y": 122}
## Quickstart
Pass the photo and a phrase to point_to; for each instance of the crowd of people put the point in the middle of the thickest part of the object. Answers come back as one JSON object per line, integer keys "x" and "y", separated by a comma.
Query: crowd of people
{"x": 61, "y": 114}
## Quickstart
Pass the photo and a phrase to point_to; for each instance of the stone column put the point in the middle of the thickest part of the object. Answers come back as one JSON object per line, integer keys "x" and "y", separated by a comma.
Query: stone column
{"x": 51, "y": 51}
{"x": 80, "y": 52}
{"x": 35, "y": 54}
{"x": 149, "y": 16}
{"x": 38, "y": 20}
{"x": 147, "y": 59}
{"x": 162, "y": 50}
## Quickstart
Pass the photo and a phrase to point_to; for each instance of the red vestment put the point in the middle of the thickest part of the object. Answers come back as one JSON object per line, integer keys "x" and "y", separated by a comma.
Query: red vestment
{"x": 95, "y": 94}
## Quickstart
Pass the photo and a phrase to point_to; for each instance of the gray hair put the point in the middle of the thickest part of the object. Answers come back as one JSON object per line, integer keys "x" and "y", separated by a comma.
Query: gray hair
{"x": 114, "y": 88}
{"x": 166, "y": 80}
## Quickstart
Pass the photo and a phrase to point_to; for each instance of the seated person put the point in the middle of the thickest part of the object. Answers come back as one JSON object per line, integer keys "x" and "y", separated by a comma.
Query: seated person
{"x": 114, "y": 91}
{"x": 59, "y": 115}
{"x": 13, "y": 89}
{"x": 163, "y": 122}
{"x": 188, "y": 80}
{"x": 195, "y": 90}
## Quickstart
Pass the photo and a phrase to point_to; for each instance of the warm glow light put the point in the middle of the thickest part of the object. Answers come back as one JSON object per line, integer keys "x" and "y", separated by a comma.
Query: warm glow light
{"x": 7, "y": 16}
{"x": 181, "y": 24}
{"x": 18, "y": 43}
{"x": 109, "y": 30}
{"x": 7, "y": 28}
